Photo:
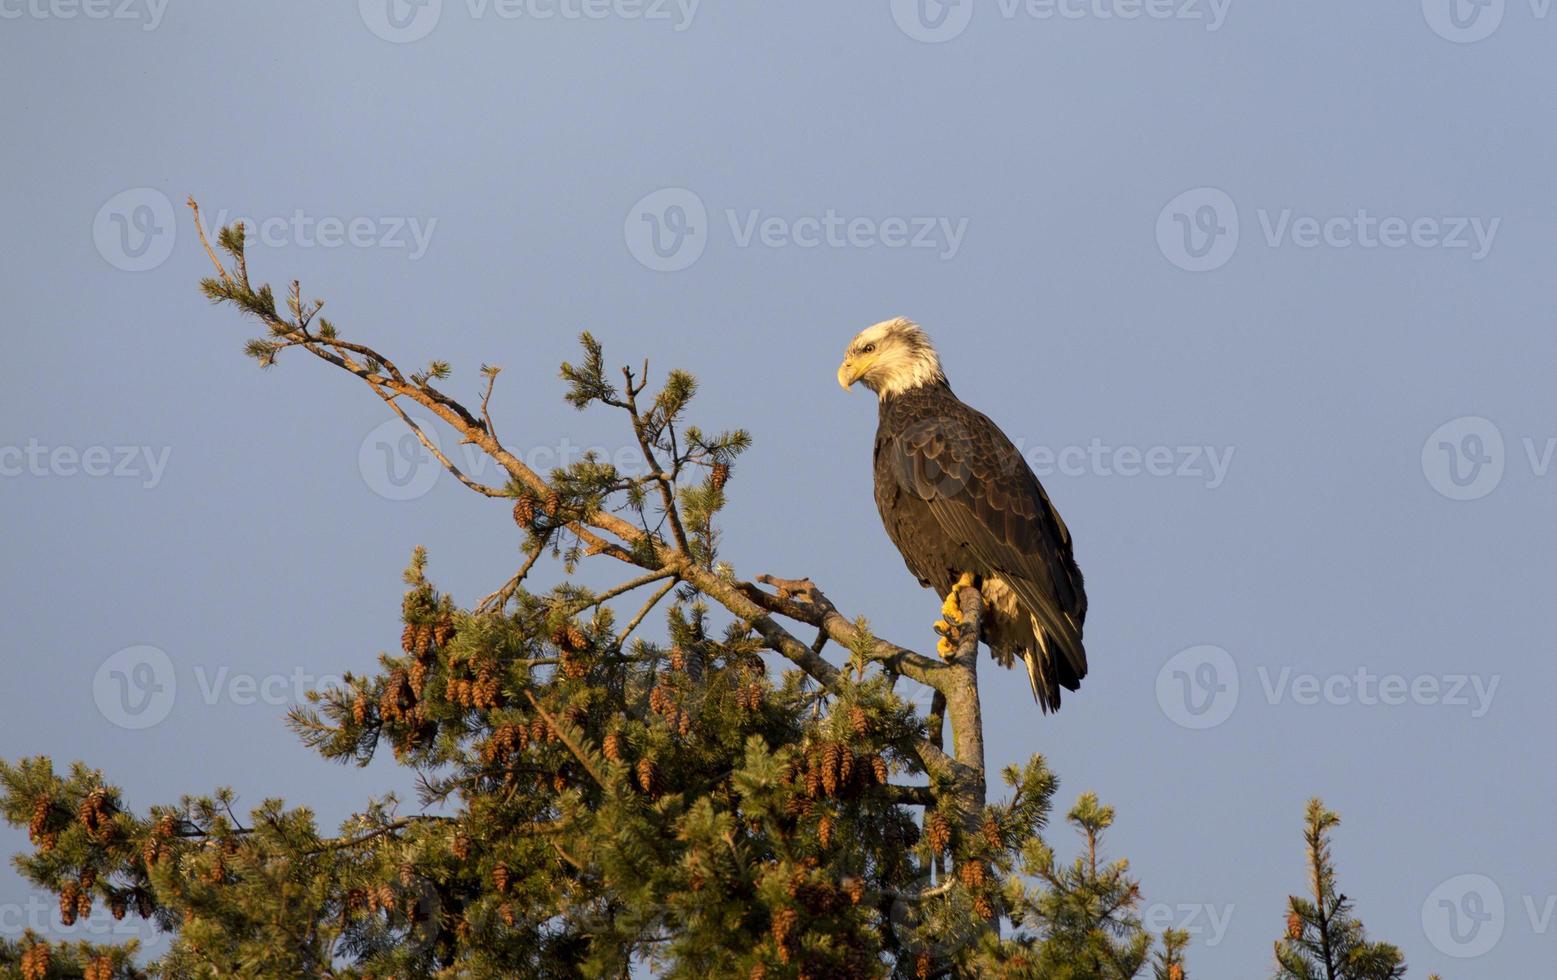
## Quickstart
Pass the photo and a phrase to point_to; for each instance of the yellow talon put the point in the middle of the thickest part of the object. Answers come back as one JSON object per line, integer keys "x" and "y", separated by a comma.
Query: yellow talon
{"x": 950, "y": 609}
{"x": 951, "y": 615}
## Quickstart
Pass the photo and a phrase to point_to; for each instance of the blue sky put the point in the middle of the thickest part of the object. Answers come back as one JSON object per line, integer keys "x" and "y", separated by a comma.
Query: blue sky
{"x": 1260, "y": 290}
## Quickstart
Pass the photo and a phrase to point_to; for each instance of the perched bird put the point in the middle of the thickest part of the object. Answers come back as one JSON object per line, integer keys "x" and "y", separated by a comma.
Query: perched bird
{"x": 964, "y": 509}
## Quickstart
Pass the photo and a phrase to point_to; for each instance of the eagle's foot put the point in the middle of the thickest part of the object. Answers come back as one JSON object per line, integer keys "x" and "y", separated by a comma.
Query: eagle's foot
{"x": 951, "y": 609}
{"x": 949, "y": 625}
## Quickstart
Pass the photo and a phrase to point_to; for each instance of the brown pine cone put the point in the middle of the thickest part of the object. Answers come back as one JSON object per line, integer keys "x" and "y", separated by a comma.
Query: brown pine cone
{"x": 813, "y": 782}
{"x": 831, "y": 758}
{"x": 719, "y": 476}
{"x": 859, "y": 721}
{"x": 972, "y": 874}
{"x": 501, "y": 878}
{"x": 443, "y": 632}
{"x": 938, "y": 832}
{"x": 40, "y": 817}
{"x": 68, "y": 896}
{"x": 824, "y": 831}
{"x": 991, "y": 831}
{"x": 878, "y": 766}
{"x": 408, "y": 638}
{"x": 553, "y": 503}
{"x": 784, "y": 922}
{"x": 648, "y": 776}
{"x": 524, "y": 511}
{"x": 612, "y": 746}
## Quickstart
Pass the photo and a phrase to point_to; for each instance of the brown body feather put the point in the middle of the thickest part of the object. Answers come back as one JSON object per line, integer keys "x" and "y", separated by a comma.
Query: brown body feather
{"x": 956, "y": 496}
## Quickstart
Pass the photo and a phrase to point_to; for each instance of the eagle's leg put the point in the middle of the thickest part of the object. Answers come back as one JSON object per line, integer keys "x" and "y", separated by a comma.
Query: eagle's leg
{"x": 951, "y": 615}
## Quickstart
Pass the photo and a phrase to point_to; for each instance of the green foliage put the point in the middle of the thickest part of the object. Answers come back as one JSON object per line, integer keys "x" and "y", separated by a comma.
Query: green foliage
{"x": 1324, "y": 941}
{"x": 590, "y": 801}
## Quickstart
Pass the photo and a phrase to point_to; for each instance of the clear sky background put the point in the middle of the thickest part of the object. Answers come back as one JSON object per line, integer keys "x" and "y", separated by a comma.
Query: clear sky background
{"x": 1054, "y": 197}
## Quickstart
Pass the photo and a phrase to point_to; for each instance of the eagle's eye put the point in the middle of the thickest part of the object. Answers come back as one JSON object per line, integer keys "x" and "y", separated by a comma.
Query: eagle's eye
{"x": 868, "y": 349}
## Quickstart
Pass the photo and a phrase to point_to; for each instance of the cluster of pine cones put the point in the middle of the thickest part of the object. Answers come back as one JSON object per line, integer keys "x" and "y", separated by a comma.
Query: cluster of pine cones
{"x": 525, "y": 508}
{"x": 36, "y": 961}
{"x": 96, "y": 815}
{"x": 38, "y": 830}
{"x": 75, "y": 899}
{"x": 833, "y": 770}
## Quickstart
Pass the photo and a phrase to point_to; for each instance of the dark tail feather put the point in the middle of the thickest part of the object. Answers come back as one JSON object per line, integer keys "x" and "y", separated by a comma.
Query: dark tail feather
{"x": 1059, "y": 661}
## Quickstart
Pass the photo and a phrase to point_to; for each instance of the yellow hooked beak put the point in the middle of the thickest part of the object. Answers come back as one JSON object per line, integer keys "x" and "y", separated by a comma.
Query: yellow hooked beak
{"x": 852, "y": 370}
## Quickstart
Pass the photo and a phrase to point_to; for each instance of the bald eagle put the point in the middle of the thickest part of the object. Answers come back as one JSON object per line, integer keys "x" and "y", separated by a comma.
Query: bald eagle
{"x": 963, "y": 508}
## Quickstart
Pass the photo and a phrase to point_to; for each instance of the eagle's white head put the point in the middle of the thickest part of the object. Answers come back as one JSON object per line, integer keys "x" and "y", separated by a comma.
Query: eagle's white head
{"x": 891, "y": 357}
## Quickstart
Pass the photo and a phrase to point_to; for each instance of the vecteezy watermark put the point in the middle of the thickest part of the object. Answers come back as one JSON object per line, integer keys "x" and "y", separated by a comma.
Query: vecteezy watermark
{"x": 303, "y": 230}
{"x": 1465, "y": 458}
{"x": 39, "y": 916}
{"x": 935, "y": 21}
{"x": 1469, "y": 21}
{"x": 1198, "y": 687}
{"x": 1465, "y": 916}
{"x": 1199, "y": 230}
{"x": 136, "y": 687}
{"x": 1208, "y": 464}
{"x": 397, "y": 466}
{"x": 668, "y": 230}
{"x": 135, "y": 229}
{"x": 403, "y": 21}
{"x": 1364, "y": 687}
{"x": 1206, "y": 924}
{"x": 34, "y": 459}
{"x": 147, "y": 12}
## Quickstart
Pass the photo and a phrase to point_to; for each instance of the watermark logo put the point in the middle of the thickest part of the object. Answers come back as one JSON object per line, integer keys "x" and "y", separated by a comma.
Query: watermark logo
{"x": 1463, "y": 21}
{"x": 1464, "y": 916}
{"x": 935, "y": 21}
{"x": 34, "y": 459}
{"x": 1363, "y": 687}
{"x": 148, "y": 12}
{"x": 1209, "y": 464}
{"x": 134, "y": 230}
{"x": 404, "y": 21}
{"x": 932, "y": 21}
{"x": 1198, "y": 688}
{"x": 394, "y": 463}
{"x": 135, "y": 688}
{"x": 400, "y": 21}
{"x": 667, "y": 230}
{"x": 1464, "y": 458}
{"x": 1198, "y": 230}
{"x": 304, "y": 230}
{"x": 1206, "y": 924}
